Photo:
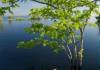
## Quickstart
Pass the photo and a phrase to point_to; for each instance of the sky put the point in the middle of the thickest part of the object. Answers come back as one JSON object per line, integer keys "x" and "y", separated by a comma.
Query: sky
{"x": 24, "y": 8}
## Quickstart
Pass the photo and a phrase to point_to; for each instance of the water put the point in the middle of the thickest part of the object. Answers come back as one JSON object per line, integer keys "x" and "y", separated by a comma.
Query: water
{"x": 12, "y": 58}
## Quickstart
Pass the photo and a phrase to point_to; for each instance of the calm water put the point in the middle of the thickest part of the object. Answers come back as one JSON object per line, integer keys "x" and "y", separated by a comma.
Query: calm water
{"x": 12, "y": 58}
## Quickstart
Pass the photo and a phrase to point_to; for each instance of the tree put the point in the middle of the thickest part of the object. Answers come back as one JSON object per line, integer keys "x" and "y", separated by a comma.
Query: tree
{"x": 67, "y": 28}
{"x": 7, "y": 6}
{"x": 66, "y": 33}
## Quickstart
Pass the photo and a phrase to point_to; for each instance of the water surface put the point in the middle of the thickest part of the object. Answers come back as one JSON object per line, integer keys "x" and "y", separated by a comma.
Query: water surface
{"x": 12, "y": 58}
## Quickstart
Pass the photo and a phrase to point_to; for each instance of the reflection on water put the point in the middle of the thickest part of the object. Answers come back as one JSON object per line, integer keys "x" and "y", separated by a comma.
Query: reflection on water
{"x": 10, "y": 21}
{"x": 1, "y": 25}
{"x": 1, "y": 18}
{"x": 98, "y": 23}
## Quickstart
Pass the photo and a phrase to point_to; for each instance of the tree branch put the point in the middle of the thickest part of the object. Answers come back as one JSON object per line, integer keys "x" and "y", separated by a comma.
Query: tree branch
{"x": 45, "y": 3}
{"x": 66, "y": 48}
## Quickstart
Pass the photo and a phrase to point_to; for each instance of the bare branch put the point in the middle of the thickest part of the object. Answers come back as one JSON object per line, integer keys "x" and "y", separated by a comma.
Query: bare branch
{"x": 66, "y": 48}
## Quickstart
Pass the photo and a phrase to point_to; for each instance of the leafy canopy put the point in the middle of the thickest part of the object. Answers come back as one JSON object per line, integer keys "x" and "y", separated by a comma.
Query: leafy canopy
{"x": 8, "y": 5}
{"x": 68, "y": 16}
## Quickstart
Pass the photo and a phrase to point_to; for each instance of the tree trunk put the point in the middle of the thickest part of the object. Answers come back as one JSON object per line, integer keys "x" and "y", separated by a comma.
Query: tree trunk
{"x": 76, "y": 61}
{"x": 74, "y": 65}
{"x": 81, "y": 49}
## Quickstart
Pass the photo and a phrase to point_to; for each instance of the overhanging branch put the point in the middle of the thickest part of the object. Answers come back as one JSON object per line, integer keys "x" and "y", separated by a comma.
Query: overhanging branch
{"x": 44, "y": 3}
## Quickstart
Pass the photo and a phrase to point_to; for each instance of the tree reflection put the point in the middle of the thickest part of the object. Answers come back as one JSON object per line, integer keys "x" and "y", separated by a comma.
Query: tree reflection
{"x": 98, "y": 22}
{"x": 1, "y": 23}
{"x": 35, "y": 21}
{"x": 10, "y": 19}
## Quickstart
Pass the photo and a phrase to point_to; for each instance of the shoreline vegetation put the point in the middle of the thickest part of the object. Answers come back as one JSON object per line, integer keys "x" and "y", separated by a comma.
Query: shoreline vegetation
{"x": 17, "y": 18}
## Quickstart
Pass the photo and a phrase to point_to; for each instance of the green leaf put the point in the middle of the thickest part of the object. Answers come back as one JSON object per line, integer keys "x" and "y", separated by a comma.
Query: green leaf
{"x": 45, "y": 43}
{"x": 26, "y": 44}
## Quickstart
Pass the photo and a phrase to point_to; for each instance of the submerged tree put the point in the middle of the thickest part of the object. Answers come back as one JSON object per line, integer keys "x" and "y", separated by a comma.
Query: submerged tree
{"x": 66, "y": 32}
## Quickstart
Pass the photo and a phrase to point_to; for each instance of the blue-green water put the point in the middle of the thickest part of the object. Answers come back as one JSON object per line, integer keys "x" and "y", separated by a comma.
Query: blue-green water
{"x": 12, "y": 58}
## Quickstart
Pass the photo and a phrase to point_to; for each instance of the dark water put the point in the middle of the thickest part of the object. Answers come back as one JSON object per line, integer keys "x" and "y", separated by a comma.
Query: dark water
{"x": 12, "y": 58}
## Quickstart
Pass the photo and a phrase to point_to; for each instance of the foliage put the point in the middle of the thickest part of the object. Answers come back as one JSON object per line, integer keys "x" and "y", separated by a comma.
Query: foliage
{"x": 98, "y": 18}
{"x": 70, "y": 17}
{"x": 21, "y": 19}
{"x": 68, "y": 20}
{"x": 7, "y": 5}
